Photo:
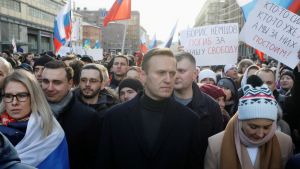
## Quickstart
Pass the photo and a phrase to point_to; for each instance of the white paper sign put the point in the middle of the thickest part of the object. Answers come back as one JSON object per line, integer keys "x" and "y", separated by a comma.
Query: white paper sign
{"x": 64, "y": 50}
{"x": 97, "y": 54}
{"x": 275, "y": 31}
{"x": 213, "y": 44}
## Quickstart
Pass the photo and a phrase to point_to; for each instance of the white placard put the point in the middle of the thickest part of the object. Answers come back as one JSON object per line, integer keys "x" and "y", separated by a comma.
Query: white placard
{"x": 64, "y": 50}
{"x": 97, "y": 54}
{"x": 213, "y": 44}
{"x": 275, "y": 31}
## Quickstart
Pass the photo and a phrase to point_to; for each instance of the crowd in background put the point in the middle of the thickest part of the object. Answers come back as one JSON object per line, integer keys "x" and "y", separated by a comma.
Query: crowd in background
{"x": 157, "y": 110}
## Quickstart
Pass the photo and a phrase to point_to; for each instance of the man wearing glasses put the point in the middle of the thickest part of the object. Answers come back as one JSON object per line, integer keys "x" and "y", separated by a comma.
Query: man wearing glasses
{"x": 91, "y": 91}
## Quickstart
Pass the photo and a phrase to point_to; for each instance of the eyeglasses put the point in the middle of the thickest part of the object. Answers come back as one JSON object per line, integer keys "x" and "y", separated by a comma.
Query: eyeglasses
{"x": 21, "y": 97}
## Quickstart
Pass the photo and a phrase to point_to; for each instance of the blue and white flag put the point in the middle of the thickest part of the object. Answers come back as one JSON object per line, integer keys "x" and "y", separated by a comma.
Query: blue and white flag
{"x": 97, "y": 45}
{"x": 49, "y": 152}
{"x": 247, "y": 6}
{"x": 170, "y": 39}
{"x": 153, "y": 43}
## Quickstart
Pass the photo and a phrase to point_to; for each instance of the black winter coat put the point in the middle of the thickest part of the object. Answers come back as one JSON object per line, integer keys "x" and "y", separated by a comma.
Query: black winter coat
{"x": 181, "y": 142}
{"x": 208, "y": 109}
{"x": 291, "y": 110}
{"x": 82, "y": 128}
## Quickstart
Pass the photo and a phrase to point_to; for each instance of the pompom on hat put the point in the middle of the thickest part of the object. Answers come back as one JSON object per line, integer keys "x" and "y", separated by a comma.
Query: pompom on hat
{"x": 257, "y": 103}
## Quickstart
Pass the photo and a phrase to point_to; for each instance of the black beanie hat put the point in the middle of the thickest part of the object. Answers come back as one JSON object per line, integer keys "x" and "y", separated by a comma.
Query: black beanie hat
{"x": 134, "y": 84}
{"x": 229, "y": 84}
{"x": 288, "y": 73}
{"x": 42, "y": 61}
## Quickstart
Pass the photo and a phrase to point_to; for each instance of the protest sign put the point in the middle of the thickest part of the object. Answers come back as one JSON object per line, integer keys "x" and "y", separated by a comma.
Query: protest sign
{"x": 273, "y": 30}
{"x": 97, "y": 54}
{"x": 213, "y": 44}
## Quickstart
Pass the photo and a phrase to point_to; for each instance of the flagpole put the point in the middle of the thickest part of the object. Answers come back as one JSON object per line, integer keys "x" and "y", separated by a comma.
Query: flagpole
{"x": 277, "y": 71}
{"x": 124, "y": 37}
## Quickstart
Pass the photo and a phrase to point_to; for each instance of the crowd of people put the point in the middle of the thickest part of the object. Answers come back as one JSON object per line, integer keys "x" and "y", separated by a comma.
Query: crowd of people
{"x": 155, "y": 110}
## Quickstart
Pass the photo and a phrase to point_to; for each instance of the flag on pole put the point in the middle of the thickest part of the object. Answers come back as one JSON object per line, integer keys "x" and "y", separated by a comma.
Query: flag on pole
{"x": 153, "y": 43}
{"x": 62, "y": 27}
{"x": 248, "y": 5}
{"x": 97, "y": 45}
{"x": 87, "y": 44}
{"x": 294, "y": 6}
{"x": 143, "y": 46}
{"x": 120, "y": 10}
{"x": 170, "y": 39}
{"x": 13, "y": 42}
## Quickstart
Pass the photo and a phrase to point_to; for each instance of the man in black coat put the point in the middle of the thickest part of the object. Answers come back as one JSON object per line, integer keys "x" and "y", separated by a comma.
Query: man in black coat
{"x": 188, "y": 93}
{"x": 291, "y": 109}
{"x": 81, "y": 123}
{"x": 152, "y": 130}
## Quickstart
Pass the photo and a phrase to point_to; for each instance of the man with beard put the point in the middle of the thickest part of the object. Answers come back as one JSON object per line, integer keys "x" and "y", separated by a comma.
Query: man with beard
{"x": 90, "y": 90}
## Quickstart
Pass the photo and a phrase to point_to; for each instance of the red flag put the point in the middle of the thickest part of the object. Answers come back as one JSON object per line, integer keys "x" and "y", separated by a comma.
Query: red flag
{"x": 260, "y": 55}
{"x": 120, "y": 10}
{"x": 295, "y": 6}
{"x": 143, "y": 46}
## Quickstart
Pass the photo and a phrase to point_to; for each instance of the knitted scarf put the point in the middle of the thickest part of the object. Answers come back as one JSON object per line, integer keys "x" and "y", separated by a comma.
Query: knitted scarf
{"x": 233, "y": 154}
{"x": 5, "y": 119}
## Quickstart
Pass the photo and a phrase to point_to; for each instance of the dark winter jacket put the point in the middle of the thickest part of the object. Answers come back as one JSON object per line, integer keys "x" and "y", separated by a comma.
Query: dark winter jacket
{"x": 8, "y": 156}
{"x": 14, "y": 131}
{"x": 208, "y": 109}
{"x": 181, "y": 142}
{"x": 82, "y": 129}
{"x": 105, "y": 101}
{"x": 291, "y": 110}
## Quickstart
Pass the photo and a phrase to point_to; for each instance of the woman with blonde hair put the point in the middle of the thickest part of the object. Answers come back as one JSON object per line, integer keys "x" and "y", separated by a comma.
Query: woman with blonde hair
{"x": 250, "y": 140}
{"x": 27, "y": 121}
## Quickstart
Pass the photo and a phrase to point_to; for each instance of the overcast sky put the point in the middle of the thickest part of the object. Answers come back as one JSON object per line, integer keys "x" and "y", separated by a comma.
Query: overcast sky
{"x": 156, "y": 16}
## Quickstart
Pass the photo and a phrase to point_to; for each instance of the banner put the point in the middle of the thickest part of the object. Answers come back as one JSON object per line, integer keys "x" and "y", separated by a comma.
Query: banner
{"x": 97, "y": 54}
{"x": 213, "y": 44}
{"x": 273, "y": 30}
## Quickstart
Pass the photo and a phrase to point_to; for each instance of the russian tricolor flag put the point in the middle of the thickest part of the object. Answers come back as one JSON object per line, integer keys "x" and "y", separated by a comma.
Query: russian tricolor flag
{"x": 248, "y": 5}
{"x": 50, "y": 152}
{"x": 153, "y": 43}
{"x": 62, "y": 27}
{"x": 143, "y": 46}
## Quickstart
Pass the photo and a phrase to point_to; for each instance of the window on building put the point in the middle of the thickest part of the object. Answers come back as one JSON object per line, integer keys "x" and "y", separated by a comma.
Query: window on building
{"x": 11, "y": 4}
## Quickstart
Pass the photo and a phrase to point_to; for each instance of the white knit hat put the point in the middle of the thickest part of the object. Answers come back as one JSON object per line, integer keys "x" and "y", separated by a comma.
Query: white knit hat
{"x": 228, "y": 67}
{"x": 207, "y": 73}
{"x": 257, "y": 102}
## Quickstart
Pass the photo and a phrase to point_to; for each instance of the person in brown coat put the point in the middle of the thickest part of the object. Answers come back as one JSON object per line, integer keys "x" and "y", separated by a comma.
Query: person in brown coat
{"x": 250, "y": 140}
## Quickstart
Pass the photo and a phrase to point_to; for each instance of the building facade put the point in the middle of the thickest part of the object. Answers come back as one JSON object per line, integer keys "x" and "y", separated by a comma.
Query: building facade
{"x": 29, "y": 22}
{"x": 77, "y": 30}
{"x": 112, "y": 35}
{"x": 91, "y": 32}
